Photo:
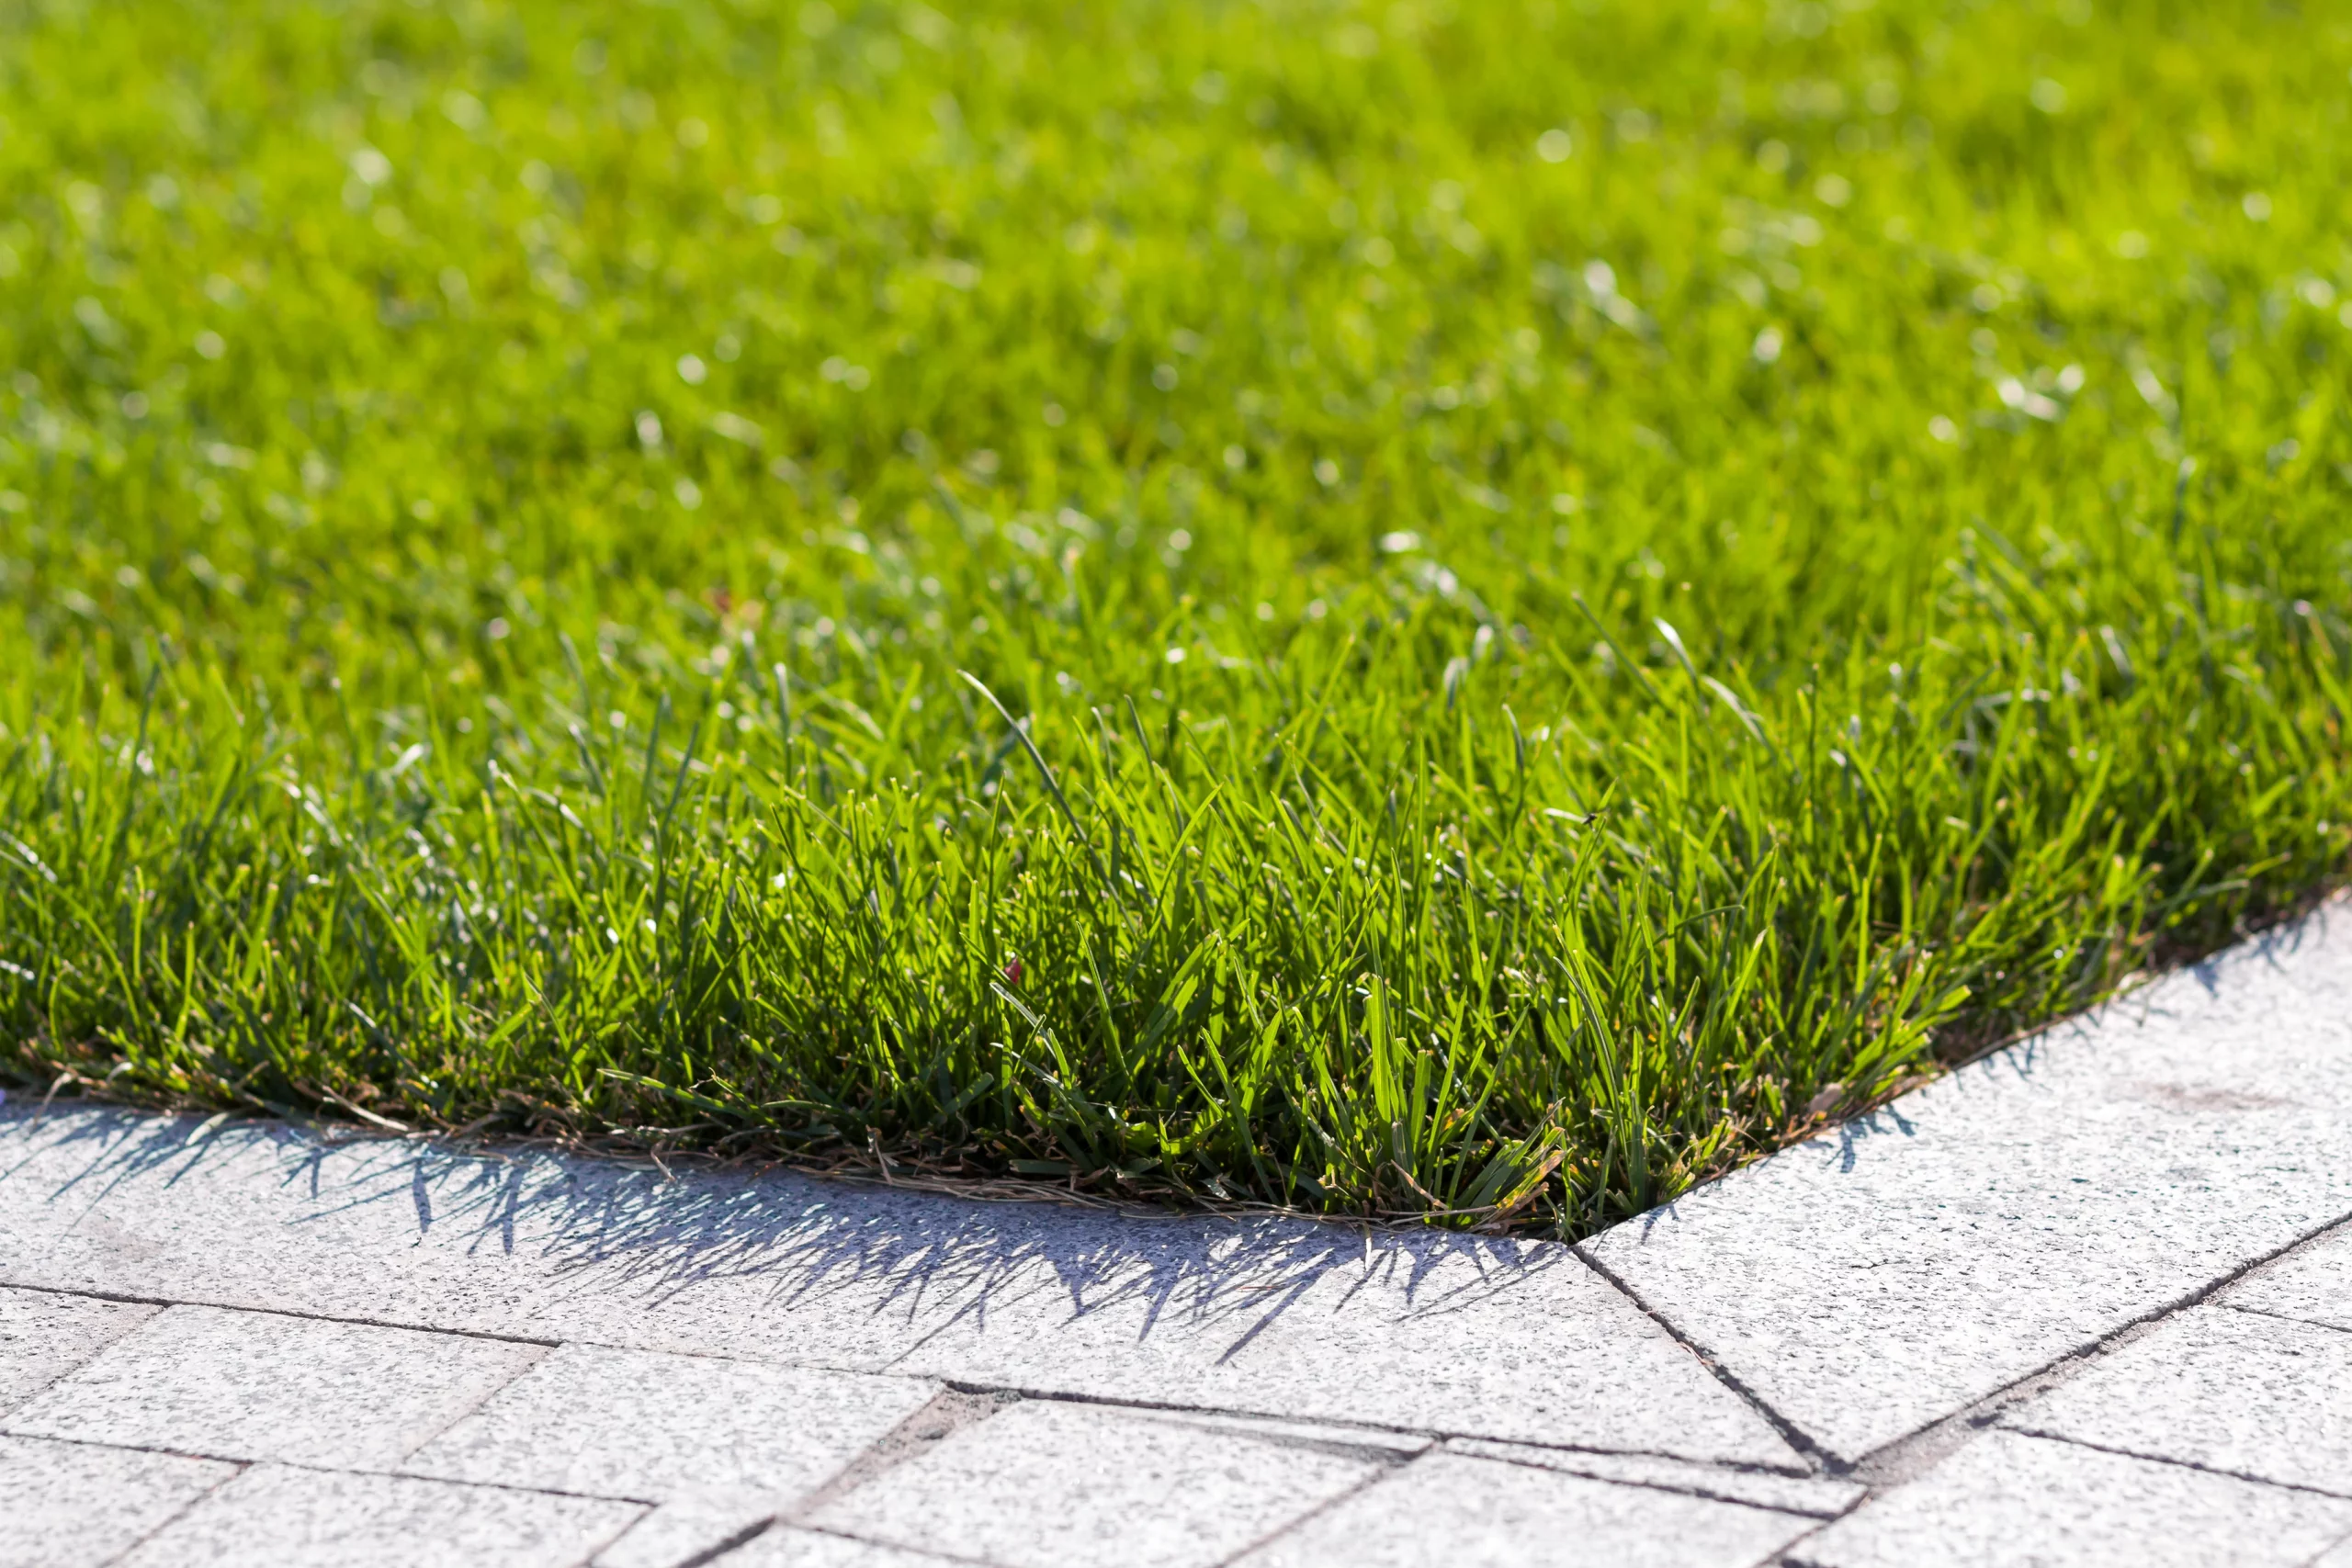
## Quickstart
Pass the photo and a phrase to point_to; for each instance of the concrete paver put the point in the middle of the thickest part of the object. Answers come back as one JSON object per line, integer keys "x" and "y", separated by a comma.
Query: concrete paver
{"x": 784, "y": 1547}
{"x": 290, "y": 1518}
{"x": 2019, "y": 1210}
{"x": 260, "y": 1386}
{"x": 44, "y": 1336}
{"x": 2007, "y": 1498}
{"x": 1817, "y": 1495}
{"x": 1052, "y": 1484}
{"x": 2224, "y": 1389}
{"x": 1479, "y": 1513}
{"x": 2313, "y": 1283}
{"x": 75, "y": 1506}
{"x": 1367, "y": 1441}
{"x": 690, "y": 1527}
{"x": 633, "y": 1423}
{"x": 1450, "y": 1336}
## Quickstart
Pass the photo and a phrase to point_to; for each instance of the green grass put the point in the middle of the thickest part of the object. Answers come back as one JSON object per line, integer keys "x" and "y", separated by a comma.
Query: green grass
{"x": 1478, "y": 608}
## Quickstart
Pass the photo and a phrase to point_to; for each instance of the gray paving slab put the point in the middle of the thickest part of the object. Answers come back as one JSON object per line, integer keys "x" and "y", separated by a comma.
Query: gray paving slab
{"x": 252, "y": 1385}
{"x": 76, "y": 1506}
{"x": 1368, "y": 1440}
{"x": 692, "y": 1528}
{"x": 784, "y": 1547}
{"x": 1874, "y": 1279}
{"x": 1048, "y": 1483}
{"x": 290, "y": 1517}
{"x": 43, "y": 1335}
{"x": 2257, "y": 1396}
{"x": 1279, "y": 1318}
{"x": 2313, "y": 1283}
{"x": 1818, "y": 1496}
{"x": 1476, "y": 1513}
{"x": 655, "y": 1425}
{"x": 2007, "y": 1498}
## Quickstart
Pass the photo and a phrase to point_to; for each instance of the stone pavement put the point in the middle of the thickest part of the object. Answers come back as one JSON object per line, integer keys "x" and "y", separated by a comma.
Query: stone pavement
{"x": 2084, "y": 1302}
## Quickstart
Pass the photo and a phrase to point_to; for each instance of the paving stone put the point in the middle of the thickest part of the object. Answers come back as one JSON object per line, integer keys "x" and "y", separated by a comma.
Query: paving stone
{"x": 1818, "y": 1496}
{"x": 1363, "y": 1441}
{"x": 1266, "y": 1315}
{"x": 1476, "y": 1513}
{"x": 784, "y": 1547}
{"x": 2224, "y": 1389}
{"x": 1051, "y": 1484}
{"x": 634, "y": 1423}
{"x": 311, "y": 1518}
{"x": 260, "y": 1386}
{"x": 1490, "y": 1338}
{"x": 2007, "y": 1498}
{"x": 690, "y": 1527}
{"x": 44, "y": 1336}
{"x": 2314, "y": 1282}
{"x": 1877, "y": 1279}
{"x": 2336, "y": 1556}
{"x": 76, "y": 1506}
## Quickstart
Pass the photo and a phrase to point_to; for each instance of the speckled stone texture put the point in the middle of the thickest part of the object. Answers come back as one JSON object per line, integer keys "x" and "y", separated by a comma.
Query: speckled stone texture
{"x": 786, "y": 1548}
{"x": 2221, "y": 1390}
{"x": 1479, "y": 1513}
{"x": 2007, "y": 1499}
{"x": 308, "y": 1518}
{"x": 1049, "y": 1485}
{"x": 1489, "y": 1337}
{"x": 259, "y": 1386}
{"x": 69, "y": 1506}
{"x": 44, "y": 1336}
{"x": 1914, "y": 1261}
{"x": 690, "y": 1527}
{"x": 2313, "y": 1283}
{"x": 1818, "y": 1495}
{"x": 630, "y": 1424}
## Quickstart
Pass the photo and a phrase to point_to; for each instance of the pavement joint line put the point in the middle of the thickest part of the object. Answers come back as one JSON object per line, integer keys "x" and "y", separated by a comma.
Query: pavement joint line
{"x": 719, "y": 1548}
{"x": 1824, "y": 1462}
{"x": 1790, "y": 1555}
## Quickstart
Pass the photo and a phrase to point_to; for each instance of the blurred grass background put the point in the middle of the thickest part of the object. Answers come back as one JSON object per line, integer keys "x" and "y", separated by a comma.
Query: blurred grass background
{"x": 1470, "y": 610}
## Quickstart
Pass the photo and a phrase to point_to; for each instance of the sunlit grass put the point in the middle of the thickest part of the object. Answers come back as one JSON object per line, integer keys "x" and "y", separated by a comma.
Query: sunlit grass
{"x": 1478, "y": 608}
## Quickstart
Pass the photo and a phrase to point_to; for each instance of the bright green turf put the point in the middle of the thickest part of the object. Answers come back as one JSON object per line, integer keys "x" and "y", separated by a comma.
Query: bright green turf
{"x": 1572, "y": 577}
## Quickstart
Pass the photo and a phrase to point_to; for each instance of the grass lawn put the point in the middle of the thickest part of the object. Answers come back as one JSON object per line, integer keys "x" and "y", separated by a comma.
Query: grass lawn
{"x": 1453, "y": 607}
